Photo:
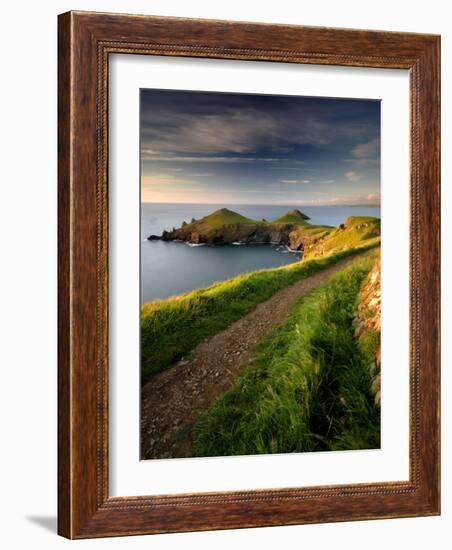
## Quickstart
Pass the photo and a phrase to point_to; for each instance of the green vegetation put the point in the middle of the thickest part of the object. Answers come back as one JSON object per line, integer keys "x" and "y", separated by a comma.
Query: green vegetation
{"x": 224, "y": 217}
{"x": 356, "y": 231}
{"x": 308, "y": 388}
{"x": 221, "y": 227}
{"x": 369, "y": 343}
{"x": 308, "y": 230}
{"x": 311, "y": 230}
{"x": 294, "y": 216}
{"x": 219, "y": 218}
{"x": 171, "y": 328}
{"x": 224, "y": 227}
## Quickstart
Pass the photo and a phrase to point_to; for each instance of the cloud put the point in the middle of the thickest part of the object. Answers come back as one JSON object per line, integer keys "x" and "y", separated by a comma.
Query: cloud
{"x": 288, "y": 165}
{"x": 204, "y": 143}
{"x": 155, "y": 180}
{"x": 233, "y": 129}
{"x": 343, "y": 200}
{"x": 368, "y": 150}
{"x": 170, "y": 188}
{"x": 145, "y": 155}
{"x": 352, "y": 175}
{"x": 373, "y": 197}
{"x": 209, "y": 123}
{"x": 295, "y": 181}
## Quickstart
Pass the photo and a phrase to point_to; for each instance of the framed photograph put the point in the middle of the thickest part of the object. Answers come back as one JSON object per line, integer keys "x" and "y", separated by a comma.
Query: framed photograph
{"x": 249, "y": 270}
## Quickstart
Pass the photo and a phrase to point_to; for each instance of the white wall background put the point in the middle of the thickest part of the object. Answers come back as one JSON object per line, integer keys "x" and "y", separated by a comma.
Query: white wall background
{"x": 28, "y": 270}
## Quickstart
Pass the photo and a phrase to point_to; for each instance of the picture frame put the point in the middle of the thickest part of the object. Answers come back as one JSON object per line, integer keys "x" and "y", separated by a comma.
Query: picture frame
{"x": 86, "y": 40}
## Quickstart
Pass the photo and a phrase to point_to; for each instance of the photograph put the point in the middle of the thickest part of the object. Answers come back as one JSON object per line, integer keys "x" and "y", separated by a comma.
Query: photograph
{"x": 229, "y": 328}
{"x": 248, "y": 273}
{"x": 260, "y": 274}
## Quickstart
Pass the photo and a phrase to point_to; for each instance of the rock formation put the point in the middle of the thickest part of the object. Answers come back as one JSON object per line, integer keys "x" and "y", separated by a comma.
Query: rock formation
{"x": 368, "y": 322}
{"x": 225, "y": 227}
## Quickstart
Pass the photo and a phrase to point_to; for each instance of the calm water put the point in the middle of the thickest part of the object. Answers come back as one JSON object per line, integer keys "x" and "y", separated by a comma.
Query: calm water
{"x": 169, "y": 268}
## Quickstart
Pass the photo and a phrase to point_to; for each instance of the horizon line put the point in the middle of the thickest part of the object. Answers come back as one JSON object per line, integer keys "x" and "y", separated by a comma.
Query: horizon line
{"x": 263, "y": 204}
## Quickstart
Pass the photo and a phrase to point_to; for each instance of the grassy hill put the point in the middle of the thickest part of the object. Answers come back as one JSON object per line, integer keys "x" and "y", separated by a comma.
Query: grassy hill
{"x": 294, "y": 216}
{"x": 226, "y": 227}
{"x": 357, "y": 231}
{"x": 219, "y": 218}
{"x": 224, "y": 217}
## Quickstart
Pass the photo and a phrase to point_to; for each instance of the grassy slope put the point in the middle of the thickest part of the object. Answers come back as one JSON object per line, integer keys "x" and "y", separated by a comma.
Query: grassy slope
{"x": 302, "y": 227}
{"x": 314, "y": 230}
{"x": 219, "y": 218}
{"x": 294, "y": 216}
{"x": 358, "y": 229}
{"x": 225, "y": 221}
{"x": 308, "y": 388}
{"x": 225, "y": 217}
{"x": 171, "y": 328}
{"x": 231, "y": 223}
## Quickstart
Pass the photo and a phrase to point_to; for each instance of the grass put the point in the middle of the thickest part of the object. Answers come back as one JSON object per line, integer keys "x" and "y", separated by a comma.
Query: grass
{"x": 218, "y": 219}
{"x": 294, "y": 216}
{"x": 308, "y": 388}
{"x": 314, "y": 230}
{"x": 172, "y": 328}
{"x": 357, "y": 230}
{"x": 224, "y": 217}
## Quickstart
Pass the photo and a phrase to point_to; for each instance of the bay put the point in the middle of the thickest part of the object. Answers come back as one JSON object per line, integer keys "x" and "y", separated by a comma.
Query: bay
{"x": 170, "y": 268}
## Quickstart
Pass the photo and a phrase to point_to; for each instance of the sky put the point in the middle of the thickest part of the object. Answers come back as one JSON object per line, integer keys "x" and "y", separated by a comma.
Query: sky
{"x": 222, "y": 148}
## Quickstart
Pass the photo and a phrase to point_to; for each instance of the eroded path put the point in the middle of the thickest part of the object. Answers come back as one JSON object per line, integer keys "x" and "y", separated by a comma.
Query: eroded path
{"x": 173, "y": 400}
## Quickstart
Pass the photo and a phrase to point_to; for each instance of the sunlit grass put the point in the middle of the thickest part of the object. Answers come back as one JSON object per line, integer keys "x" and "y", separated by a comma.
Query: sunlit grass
{"x": 171, "y": 328}
{"x": 357, "y": 230}
{"x": 308, "y": 388}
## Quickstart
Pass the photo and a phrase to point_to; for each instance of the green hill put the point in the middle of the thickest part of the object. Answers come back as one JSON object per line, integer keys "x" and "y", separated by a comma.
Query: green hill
{"x": 294, "y": 216}
{"x": 357, "y": 231}
{"x": 219, "y": 218}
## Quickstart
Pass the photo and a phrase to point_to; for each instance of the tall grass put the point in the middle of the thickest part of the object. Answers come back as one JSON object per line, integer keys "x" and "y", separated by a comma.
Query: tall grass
{"x": 308, "y": 388}
{"x": 171, "y": 328}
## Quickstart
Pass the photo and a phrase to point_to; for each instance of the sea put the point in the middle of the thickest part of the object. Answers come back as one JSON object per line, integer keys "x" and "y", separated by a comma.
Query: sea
{"x": 172, "y": 268}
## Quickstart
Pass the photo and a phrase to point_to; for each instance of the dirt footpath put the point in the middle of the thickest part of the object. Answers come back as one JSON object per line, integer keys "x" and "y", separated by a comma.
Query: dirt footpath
{"x": 173, "y": 400}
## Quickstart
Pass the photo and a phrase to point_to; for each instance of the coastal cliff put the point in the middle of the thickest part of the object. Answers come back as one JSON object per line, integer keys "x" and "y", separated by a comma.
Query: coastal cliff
{"x": 225, "y": 227}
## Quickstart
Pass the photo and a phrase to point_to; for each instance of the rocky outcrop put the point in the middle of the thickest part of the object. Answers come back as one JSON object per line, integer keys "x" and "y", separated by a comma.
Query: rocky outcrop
{"x": 300, "y": 239}
{"x": 259, "y": 233}
{"x": 368, "y": 324}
